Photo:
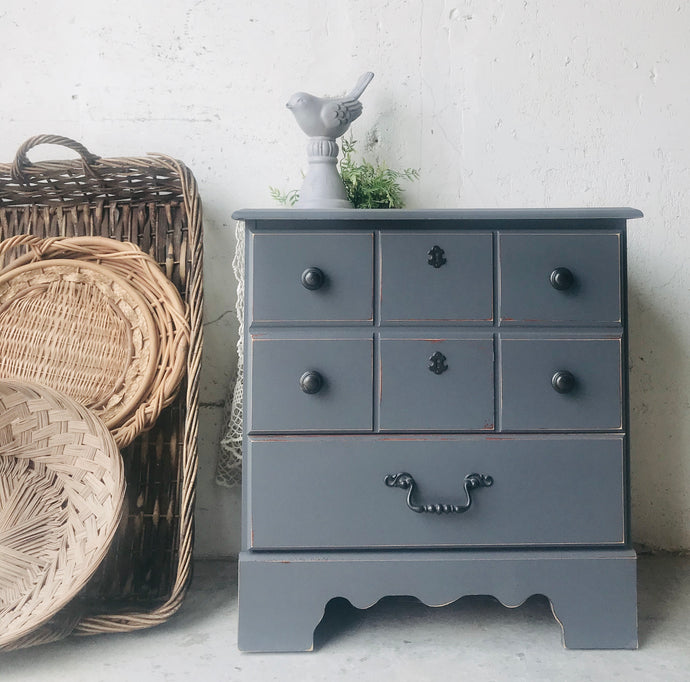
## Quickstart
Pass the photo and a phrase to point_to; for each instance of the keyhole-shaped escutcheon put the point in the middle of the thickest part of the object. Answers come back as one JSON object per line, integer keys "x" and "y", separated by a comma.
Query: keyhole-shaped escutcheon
{"x": 437, "y": 363}
{"x": 436, "y": 256}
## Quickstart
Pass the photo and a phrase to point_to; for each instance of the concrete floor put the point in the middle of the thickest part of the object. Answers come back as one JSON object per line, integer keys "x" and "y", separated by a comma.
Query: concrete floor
{"x": 398, "y": 639}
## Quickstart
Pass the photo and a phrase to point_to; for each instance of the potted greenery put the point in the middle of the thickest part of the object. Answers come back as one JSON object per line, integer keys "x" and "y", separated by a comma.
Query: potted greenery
{"x": 367, "y": 185}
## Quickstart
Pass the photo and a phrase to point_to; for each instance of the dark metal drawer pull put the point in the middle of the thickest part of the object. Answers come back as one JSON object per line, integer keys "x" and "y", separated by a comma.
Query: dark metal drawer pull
{"x": 561, "y": 279}
{"x": 313, "y": 278}
{"x": 406, "y": 482}
{"x": 436, "y": 256}
{"x": 437, "y": 363}
{"x": 563, "y": 381}
{"x": 311, "y": 382}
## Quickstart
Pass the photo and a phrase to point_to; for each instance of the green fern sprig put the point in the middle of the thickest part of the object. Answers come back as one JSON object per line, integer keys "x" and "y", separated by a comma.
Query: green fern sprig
{"x": 288, "y": 198}
{"x": 370, "y": 186}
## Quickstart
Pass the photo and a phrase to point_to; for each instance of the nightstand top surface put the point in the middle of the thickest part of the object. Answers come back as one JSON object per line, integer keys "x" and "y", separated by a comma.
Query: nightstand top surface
{"x": 439, "y": 214}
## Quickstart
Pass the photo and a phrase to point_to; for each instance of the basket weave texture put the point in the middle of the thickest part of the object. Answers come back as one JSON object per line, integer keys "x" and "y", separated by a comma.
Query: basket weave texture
{"x": 76, "y": 328}
{"x": 152, "y": 202}
{"x": 136, "y": 398}
{"x": 61, "y": 492}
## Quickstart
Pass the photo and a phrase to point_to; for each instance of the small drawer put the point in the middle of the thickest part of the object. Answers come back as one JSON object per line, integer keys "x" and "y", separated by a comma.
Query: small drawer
{"x": 302, "y": 385}
{"x": 341, "y": 493}
{"x": 436, "y": 384}
{"x": 560, "y": 278}
{"x": 561, "y": 384}
{"x": 312, "y": 277}
{"x": 444, "y": 277}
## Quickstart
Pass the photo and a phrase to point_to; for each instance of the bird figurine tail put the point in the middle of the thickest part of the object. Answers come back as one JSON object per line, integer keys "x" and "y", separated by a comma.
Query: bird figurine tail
{"x": 361, "y": 86}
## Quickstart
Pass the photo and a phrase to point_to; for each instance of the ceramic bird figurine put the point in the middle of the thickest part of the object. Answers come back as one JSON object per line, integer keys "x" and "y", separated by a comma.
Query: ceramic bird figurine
{"x": 328, "y": 116}
{"x": 324, "y": 119}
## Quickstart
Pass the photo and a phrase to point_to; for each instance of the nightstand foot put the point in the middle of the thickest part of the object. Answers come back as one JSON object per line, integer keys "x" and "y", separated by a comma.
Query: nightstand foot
{"x": 279, "y": 608}
{"x": 596, "y": 604}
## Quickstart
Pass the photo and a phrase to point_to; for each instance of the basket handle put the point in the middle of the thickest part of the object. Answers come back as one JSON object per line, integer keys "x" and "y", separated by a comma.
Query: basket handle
{"x": 21, "y": 160}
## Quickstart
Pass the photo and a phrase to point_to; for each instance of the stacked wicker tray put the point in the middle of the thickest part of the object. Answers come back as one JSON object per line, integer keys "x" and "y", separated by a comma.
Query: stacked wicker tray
{"x": 100, "y": 301}
{"x": 61, "y": 492}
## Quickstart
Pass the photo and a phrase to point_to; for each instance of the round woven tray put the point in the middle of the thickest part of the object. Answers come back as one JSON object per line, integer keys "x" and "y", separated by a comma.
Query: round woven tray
{"x": 80, "y": 329}
{"x": 61, "y": 493}
{"x": 142, "y": 273}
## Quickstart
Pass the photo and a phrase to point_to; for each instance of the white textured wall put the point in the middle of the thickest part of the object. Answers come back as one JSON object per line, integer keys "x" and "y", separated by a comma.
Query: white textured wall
{"x": 501, "y": 104}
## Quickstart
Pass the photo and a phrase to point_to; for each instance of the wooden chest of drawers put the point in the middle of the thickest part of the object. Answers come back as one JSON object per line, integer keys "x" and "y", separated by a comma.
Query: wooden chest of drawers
{"x": 436, "y": 406}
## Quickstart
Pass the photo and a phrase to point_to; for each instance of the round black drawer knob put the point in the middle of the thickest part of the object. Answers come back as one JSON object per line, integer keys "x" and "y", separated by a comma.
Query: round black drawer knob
{"x": 313, "y": 278}
{"x": 311, "y": 382}
{"x": 563, "y": 381}
{"x": 561, "y": 279}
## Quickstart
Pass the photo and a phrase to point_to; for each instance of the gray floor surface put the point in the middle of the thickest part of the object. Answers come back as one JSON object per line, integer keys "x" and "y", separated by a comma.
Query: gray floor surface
{"x": 474, "y": 639}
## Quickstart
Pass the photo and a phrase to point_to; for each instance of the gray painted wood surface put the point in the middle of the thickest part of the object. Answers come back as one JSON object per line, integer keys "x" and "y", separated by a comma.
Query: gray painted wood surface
{"x": 434, "y": 215}
{"x": 279, "y": 261}
{"x": 278, "y": 404}
{"x": 283, "y": 595}
{"x": 527, "y": 260}
{"x": 529, "y": 401}
{"x": 559, "y": 461}
{"x": 414, "y": 398}
{"x": 459, "y": 291}
{"x": 329, "y": 493}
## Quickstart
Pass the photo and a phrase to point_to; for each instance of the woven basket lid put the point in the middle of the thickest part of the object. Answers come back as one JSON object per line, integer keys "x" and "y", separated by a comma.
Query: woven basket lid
{"x": 80, "y": 329}
{"x": 143, "y": 273}
{"x": 61, "y": 493}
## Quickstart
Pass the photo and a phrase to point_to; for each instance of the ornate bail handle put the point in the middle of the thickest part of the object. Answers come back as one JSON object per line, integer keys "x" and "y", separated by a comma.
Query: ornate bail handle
{"x": 405, "y": 481}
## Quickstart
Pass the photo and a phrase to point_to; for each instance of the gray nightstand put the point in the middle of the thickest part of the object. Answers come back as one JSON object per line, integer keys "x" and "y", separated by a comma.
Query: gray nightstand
{"x": 436, "y": 406}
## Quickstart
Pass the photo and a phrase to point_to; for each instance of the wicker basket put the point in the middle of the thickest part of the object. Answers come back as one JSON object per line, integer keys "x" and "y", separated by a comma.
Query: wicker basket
{"x": 152, "y": 202}
{"x": 61, "y": 492}
{"x": 81, "y": 330}
{"x": 120, "y": 261}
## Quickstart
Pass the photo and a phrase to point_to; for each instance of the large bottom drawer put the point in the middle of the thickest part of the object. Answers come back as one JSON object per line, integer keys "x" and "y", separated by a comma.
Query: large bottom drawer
{"x": 317, "y": 492}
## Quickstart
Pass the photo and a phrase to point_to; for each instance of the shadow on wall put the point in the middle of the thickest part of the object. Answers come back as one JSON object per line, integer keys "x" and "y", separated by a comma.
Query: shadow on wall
{"x": 659, "y": 428}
